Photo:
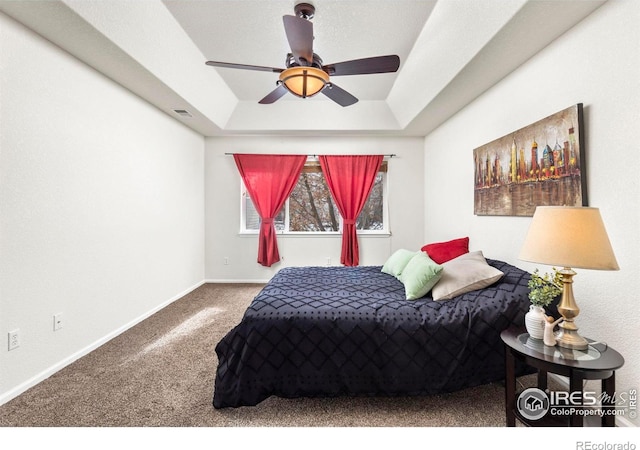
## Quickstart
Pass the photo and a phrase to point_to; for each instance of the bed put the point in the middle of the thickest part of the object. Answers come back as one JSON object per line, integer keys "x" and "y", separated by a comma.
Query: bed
{"x": 335, "y": 331}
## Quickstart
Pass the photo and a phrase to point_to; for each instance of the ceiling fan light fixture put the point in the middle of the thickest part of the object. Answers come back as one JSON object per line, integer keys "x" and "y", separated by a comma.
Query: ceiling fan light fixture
{"x": 304, "y": 81}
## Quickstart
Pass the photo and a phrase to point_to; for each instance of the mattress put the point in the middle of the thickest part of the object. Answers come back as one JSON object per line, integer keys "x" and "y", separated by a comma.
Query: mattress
{"x": 333, "y": 331}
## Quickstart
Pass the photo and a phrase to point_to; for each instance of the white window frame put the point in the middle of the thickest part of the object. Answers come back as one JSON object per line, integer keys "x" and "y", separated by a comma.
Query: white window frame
{"x": 385, "y": 214}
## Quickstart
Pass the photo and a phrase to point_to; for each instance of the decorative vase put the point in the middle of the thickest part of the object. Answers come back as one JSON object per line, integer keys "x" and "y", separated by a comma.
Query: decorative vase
{"x": 535, "y": 321}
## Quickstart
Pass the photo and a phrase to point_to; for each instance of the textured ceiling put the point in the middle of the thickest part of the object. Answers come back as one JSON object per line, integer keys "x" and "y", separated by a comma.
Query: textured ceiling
{"x": 451, "y": 51}
{"x": 252, "y": 32}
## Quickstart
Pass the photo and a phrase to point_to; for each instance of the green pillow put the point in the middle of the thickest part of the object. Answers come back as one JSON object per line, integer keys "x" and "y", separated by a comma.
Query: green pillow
{"x": 420, "y": 275}
{"x": 397, "y": 262}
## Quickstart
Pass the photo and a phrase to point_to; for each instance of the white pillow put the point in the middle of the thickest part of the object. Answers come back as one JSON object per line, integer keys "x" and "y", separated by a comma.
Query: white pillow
{"x": 463, "y": 274}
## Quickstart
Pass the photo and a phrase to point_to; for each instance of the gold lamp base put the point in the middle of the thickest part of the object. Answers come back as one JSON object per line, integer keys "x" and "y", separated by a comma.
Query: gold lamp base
{"x": 568, "y": 336}
{"x": 570, "y": 339}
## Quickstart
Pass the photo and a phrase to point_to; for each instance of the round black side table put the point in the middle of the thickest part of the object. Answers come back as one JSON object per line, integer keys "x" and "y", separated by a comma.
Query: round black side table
{"x": 578, "y": 365}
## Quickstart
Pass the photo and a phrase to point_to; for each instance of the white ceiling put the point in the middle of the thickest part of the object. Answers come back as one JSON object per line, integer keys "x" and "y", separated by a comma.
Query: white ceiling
{"x": 252, "y": 32}
{"x": 450, "y": 51}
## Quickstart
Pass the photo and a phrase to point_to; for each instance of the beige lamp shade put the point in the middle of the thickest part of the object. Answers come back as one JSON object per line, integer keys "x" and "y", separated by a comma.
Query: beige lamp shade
{"x": 566, "y": 236}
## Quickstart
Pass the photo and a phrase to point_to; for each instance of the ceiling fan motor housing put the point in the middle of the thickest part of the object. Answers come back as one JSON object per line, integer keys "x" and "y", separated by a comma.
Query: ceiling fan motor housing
{"x": 291, "y": 61}
{"x": 305, "y": 10}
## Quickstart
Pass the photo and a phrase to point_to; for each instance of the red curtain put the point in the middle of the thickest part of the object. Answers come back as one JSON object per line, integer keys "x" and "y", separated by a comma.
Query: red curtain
{"x": 350, "y": 179}
{"x": 269, "y": 179}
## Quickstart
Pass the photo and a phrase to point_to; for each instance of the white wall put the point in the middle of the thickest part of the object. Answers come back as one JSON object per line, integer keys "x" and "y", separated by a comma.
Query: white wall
{"x": 101, "y": 207}
{"x": 222, "y": 198}
{"x": 597, "y": 63}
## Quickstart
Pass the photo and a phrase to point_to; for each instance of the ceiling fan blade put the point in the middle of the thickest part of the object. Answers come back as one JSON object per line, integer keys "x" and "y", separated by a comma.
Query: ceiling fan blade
{"x": 243, "y": 66}
{"x": 376, "y": 64}
{"x": 300, "y": 36}
{"x": 274, "y": 95}
{"x": 339, "y": 95}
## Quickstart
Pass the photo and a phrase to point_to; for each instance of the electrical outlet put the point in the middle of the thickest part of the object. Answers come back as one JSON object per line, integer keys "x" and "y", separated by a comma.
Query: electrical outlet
{"x": 226, "y": 260}
{"x": 14, "y": 339}
{"x": 328, "y": 260}
{"x": 57, "y": 321}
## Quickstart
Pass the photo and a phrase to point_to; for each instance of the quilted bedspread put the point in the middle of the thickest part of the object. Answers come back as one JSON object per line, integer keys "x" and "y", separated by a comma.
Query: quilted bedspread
{"x": 330, "y": 331}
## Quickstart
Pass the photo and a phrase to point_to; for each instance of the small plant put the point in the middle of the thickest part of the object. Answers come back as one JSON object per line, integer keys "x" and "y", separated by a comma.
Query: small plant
{"x": 543, "y": 289}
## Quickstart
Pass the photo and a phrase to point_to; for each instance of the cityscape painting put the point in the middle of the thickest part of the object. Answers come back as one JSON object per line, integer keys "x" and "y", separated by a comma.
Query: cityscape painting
{"x": 541, "y": 164}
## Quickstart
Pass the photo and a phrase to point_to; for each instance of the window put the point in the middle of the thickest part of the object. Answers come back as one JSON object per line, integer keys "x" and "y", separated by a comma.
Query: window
{"x": 310, "y": 208}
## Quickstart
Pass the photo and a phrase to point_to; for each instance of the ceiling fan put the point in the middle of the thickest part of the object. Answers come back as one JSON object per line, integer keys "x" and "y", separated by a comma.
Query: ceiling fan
{"x": 305, "y": 74}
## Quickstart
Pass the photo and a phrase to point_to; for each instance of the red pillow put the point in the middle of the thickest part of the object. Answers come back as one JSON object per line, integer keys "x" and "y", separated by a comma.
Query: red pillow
{"x": 442, "y": 252}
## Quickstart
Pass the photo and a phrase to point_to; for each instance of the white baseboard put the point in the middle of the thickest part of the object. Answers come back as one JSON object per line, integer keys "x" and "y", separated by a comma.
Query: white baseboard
{"x": 13, "y": 393}
{"x": 623, "y": 422}
{"x": 224, "y": 281}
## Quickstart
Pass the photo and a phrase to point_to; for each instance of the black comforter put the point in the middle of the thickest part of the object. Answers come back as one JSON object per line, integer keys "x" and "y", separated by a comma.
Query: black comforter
{"x": 329, "y": 331}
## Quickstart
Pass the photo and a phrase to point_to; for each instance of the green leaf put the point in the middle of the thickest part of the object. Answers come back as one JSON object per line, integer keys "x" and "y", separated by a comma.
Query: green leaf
{"x": 544, "y": 289}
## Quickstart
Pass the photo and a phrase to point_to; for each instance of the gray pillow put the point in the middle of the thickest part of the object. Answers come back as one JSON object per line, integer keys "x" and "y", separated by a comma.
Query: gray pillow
{"x": 463, "y": 274}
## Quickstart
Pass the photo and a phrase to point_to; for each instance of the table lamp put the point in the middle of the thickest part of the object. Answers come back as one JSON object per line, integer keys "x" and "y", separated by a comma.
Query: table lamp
{"x": 567, "y": 237}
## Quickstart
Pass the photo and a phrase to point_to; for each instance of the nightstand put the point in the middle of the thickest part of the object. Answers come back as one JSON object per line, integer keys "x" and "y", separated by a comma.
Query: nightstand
{"x": 578, "y": 365}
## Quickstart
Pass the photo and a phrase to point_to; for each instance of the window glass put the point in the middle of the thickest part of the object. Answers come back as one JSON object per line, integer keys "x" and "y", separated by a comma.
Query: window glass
{"x": 311, "y": 209}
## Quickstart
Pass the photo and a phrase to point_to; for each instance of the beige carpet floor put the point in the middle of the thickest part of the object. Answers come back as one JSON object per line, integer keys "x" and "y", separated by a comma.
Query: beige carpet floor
{"x": 160, "y": 373}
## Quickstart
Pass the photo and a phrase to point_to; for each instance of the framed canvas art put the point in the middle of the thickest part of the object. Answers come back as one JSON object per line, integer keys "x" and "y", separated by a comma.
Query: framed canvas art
{"x": 542, "y": 164}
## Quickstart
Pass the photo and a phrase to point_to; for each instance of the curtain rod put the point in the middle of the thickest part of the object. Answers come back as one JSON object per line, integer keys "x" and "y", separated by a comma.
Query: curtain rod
{"x": 391, "y": 155}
